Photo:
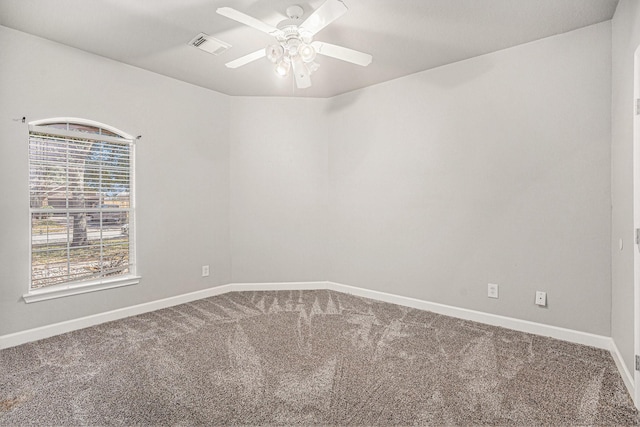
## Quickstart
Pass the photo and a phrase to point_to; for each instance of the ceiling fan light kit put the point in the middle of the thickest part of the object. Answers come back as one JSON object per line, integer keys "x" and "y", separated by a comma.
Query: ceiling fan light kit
{"x": 294, "y": 47}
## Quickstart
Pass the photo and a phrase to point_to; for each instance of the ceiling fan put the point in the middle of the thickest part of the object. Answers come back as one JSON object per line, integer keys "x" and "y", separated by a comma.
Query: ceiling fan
{"x": 295, "y": 48}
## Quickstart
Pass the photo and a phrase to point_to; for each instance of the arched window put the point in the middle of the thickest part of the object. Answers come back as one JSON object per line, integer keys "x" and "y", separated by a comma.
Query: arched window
{"x": 81, "y": 199}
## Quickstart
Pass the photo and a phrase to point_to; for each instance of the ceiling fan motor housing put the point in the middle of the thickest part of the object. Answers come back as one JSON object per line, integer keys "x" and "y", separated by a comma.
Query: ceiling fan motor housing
{"x": 294, "y": 41}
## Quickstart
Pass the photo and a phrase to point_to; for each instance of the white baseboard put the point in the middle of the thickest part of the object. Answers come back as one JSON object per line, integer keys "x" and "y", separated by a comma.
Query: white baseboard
{"x": 564, "y": 334}
{"x": 626, "y": 375}
{"x": 279, "y": 286}
{"x": 23, "y": 337}
{"x": 598, "y": 341}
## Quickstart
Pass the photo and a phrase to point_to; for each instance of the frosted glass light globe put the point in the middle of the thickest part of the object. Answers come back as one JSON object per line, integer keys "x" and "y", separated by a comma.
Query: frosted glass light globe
{"x": 307, "y": 52}
{"x": 282, "y": 68}
{"x": 274, "y": 52}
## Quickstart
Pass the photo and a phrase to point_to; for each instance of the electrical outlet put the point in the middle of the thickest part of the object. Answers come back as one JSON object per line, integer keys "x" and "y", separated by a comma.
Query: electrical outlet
{"x": 205, "y": 270}
{"x": 541, "y": 298}
{"x": 492, "y": 290}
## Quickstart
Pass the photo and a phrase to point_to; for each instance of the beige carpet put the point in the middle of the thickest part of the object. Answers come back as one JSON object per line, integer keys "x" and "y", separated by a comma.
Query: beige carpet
{"x": 307, "y": 357}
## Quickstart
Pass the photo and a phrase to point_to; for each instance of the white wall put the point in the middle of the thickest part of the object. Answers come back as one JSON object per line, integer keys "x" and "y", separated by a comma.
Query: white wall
{"x": 278, "y": 189}
{"x": 625, "y": 41}
{"x": 182, "y": 172}
{"x": 495, "y": 169}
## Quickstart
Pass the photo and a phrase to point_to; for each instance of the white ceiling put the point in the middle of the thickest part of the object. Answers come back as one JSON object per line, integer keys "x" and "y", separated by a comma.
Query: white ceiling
{"x": 404, "y": 36}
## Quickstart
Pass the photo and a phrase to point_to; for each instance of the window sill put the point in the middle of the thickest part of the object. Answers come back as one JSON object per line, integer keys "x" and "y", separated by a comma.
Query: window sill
{"x": 78, "y": 288}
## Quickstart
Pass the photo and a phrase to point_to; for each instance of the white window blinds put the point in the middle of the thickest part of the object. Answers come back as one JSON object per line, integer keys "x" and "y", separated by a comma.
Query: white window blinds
{"x": 80, "y": 184}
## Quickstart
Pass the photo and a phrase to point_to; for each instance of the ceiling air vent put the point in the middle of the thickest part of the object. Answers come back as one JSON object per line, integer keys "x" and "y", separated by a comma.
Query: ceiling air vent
{"x": 209, "y": 44}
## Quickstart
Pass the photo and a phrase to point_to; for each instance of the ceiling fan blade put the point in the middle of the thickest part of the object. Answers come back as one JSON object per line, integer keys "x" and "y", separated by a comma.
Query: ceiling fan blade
{"x": 301, "y": 73}
{"x": 343, "y": 53}
{"x": 246, "y": 59}
{"x": 328, "y": 12}
{"x": 245, "y": 19}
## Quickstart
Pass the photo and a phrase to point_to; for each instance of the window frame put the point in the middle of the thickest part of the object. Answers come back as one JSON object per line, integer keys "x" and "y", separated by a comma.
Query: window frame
{"x": 105, "y": 282}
